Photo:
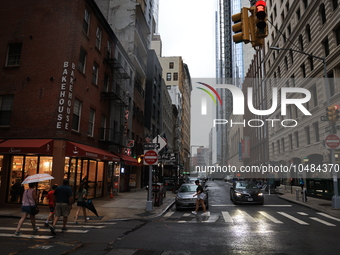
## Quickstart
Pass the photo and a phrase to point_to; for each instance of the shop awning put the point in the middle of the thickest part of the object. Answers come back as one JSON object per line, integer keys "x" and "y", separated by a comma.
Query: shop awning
{"x": 27, "y": 146}
{"x": 81, "y": 150}
{"x": 129, "y": 160}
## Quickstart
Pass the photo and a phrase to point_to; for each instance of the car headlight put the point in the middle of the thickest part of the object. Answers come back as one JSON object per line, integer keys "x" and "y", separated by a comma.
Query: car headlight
{"x": 260, "y": 194}
{"x": 238, "y": 194}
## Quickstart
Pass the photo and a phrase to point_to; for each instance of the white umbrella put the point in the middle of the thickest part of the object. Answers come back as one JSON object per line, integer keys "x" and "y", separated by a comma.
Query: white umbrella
{"x": 37, "y": 178}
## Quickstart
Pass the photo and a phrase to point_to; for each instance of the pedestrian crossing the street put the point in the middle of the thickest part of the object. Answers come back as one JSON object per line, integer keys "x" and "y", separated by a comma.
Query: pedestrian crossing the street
{"x": 238, "y": 216}
{"x": 45, "y": 233}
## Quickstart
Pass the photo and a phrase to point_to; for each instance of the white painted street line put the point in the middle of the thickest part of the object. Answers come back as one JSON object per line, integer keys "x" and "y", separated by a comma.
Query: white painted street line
{"x": 26, "y": 236}
{"x": 227, "y": 218}
{"x": 323, "y": 221}
{"x": 293, "y": 218}
{"x": 269, "y": 217}
{"x": 168, "y": 214}
{"x": 187, "y": 214}
{"x": 328, "y": 216}
{"x": 248, "y": 218}
{"x": 222, "y": 205}
{"x": 302, "y": 213}
{"x": 42, "y": 226}
{"x": 46, "y": 230}
{"x": 277, "y": 205}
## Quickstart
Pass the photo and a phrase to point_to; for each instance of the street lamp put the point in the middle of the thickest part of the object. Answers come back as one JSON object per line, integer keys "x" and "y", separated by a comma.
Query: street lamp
{"x": 336, "y": 198}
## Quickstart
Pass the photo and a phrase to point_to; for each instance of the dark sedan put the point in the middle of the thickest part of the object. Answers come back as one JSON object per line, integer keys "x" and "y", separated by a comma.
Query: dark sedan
{"x": 246, "y": 192}
{"x": 185, "y": 196}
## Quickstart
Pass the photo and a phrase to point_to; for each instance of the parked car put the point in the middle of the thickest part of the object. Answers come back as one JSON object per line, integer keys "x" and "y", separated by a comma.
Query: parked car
{"x": 185, "y": 199}
{"x": 246, "y": 192}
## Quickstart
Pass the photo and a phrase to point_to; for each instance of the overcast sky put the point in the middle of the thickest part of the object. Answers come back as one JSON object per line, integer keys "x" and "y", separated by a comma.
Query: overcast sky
{"x": 187, "y": 29}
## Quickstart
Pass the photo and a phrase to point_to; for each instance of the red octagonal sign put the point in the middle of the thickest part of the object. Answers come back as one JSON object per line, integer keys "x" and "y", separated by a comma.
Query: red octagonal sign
{"x": 332, "y": 141}
{"x": 150, "y": 157}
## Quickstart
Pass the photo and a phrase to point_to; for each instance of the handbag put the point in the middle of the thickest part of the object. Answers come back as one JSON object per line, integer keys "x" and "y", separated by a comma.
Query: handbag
{"x": 34, "y": 210}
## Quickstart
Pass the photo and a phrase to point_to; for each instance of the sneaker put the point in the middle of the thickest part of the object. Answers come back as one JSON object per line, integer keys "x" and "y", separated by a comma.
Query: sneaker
{"x": 205, "y": 214}
{"x": 36, "y": 229}
{"x": 63, "y": 229}
{"x": 46, "y": 224}
{"x": 53, "y": 230}
{"x": 17, "y": 233}
{"x": 194, "y": 212}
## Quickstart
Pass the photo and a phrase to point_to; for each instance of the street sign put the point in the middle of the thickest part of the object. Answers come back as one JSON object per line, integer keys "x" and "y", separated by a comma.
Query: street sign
{"x": 150, "y": 146}
{"x": 160, "y": 140}
{"x": 324, "y": 118}
{"x": 332, "y": 141}
{"x": 150, "y": 157}
{"x": 130, "y": 143}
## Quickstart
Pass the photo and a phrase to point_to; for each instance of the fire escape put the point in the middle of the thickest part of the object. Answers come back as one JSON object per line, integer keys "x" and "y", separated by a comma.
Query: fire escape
{"x": 118, "y": 96}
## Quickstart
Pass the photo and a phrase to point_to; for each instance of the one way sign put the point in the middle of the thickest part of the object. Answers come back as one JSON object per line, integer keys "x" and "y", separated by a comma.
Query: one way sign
{"x": 161, "y": 141}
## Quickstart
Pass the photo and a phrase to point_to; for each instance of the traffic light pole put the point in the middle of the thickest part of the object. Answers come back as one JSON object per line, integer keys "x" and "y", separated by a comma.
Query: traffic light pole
{"x": 336, "y": 197}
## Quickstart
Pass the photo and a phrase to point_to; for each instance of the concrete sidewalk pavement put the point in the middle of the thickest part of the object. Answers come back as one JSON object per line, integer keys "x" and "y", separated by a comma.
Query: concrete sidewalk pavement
{"x": 124, "y": 206}
{"x": 317, "y": 204}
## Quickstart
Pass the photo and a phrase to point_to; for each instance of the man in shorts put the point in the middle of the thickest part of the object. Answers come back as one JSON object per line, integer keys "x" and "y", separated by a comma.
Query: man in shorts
{"x": 63, "y": 204}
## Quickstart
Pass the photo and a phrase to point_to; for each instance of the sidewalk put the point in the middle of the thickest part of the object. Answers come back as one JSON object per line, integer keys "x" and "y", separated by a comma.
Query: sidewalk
{"x": 124, "y": 206}
{"x": 317, "y": 204}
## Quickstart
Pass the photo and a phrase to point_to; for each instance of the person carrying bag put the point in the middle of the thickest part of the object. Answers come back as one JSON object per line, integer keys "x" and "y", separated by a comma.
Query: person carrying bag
{"x": 29, "y": 206}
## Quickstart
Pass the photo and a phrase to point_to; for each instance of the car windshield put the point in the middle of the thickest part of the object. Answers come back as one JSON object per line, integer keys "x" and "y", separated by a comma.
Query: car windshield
{"x": 188, "y": 188}
{"x": 246, "y": 185}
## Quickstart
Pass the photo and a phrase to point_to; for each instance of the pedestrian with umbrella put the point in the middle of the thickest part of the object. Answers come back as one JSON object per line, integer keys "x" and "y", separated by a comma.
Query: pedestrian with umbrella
{"x": 29, "y": 200}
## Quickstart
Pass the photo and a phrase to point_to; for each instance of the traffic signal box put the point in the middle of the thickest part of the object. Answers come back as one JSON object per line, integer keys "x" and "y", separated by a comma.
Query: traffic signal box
{"x": 332, "y": 112}
{"x": 253, "y": 28}
{"x": 241, "y": 26}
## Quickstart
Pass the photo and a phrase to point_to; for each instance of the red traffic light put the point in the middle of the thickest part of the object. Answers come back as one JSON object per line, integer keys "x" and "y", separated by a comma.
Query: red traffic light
{"x": 261, "y": 10}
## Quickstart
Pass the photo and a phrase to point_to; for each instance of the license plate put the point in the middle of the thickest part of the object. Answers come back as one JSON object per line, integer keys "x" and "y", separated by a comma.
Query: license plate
{"x": 250, "y": 199}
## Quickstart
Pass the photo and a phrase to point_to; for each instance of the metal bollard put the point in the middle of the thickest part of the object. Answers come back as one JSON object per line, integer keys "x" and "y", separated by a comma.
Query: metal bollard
{"x": 297, "y": 194}
{"x": 304, "y": 195}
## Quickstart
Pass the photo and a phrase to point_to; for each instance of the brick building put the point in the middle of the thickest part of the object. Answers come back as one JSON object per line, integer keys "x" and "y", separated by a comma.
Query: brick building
{"x": 64, "y": 96}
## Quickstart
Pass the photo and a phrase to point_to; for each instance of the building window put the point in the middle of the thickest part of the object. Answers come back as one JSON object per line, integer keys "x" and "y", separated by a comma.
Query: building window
{"x": 106, "y": 83}
{"x": 307, "y": 133}
{"x": 273, "y": 148}
{"x": 322, "y": 12}
{"x": 291, "y": 56}
{"x": 298, "y": 14}
{"x": 95, "y": 73}
{"x": 13, "y": 54}
{"x": 175, "y": 76}
{"x": 91, "y": 122}
{"x": 305, "y": 4}
{"x": 98, "y": 38}
{"x": 303, "y": 70}
{"x": 289, "y": 28}
{"x": 286, "y": 63}
{"x": 301, "y": 42}
{"x": 325, "y": 44}
{"x": 290, "y": 141}
{"x": 278, "y": 146}
{"x": 314, "y": 97}
{"x": 171, "y": 65}
{"x": 82, "y": 60}
{"x": 311, "y": 63}
{"x": 296, "y": 134}
{"x": 308, "y": 33}
{"x": 316, "y": 131}
{"x": 6, "y": 104}
{"x": 86, "y": 22}
{"x": 337, "y": 34}
{"x": 335, "y": 4}
{"x": 283, "y": 144}
{"x": 168, "y": 76}
{"x": 76, "y": 115}
{"x": 102, "y": 128}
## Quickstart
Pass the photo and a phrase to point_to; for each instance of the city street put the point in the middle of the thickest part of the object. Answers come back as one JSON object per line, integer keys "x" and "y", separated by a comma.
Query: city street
{"x": 277, "y": 227}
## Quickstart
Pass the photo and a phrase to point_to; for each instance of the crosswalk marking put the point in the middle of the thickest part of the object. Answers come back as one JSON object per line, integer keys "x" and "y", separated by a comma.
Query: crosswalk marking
{"x": 68, "y": 226}
{"x": 168, "y": 214}
{"x": 302, "y": 213}
{"x": 273, "y": 219}
{"x": 227, "y": 217}
{"x": 246, "y": 216}
{"x": 26, "y": 236}
{"x": 293, "y": 218}
{"x": 46, "y": 230}
{"x": 323, "y": 221}
{"x": 328, "y": 216}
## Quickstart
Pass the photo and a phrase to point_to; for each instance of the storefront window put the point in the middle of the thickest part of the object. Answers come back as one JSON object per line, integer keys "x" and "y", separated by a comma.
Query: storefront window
{"x": 1, "y": 162}
{"x": 16, "y": 179}
{"x": 45, "y": 167}
{"x": 92, "y": 178}
{"x": 99, "y": 188}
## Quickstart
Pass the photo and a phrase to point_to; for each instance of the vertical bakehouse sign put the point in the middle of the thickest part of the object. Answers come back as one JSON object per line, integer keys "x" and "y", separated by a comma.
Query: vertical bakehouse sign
{"x": 65, "y": 96}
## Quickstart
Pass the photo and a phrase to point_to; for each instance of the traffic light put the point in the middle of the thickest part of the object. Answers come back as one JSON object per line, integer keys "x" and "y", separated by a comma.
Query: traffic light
{"x": 261, "y": 28}
{"x": 241, "y": 26}
{"x": 332, "y": 112}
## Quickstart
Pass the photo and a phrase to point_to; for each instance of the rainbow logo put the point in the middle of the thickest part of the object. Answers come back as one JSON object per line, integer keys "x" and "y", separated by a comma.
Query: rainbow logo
{"x": 204, "y": 101}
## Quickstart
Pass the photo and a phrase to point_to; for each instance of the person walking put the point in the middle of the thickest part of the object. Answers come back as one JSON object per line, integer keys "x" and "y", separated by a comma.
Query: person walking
{"x": 81, "y": 203}
{"x": 200, "y": 199}
{"x": 63, "y": 204}
{"x": 29, "y": 200}
{"x": 51, "y": 205}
